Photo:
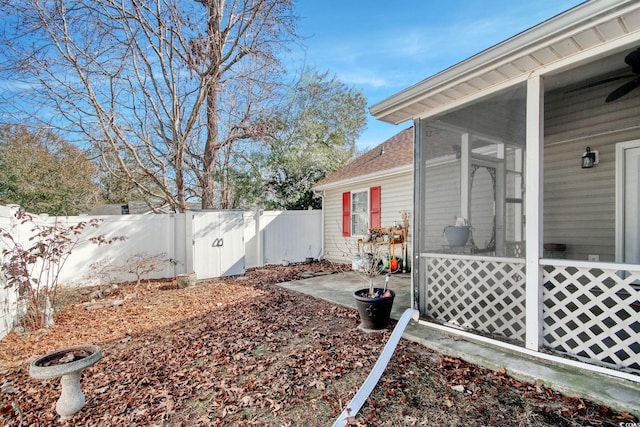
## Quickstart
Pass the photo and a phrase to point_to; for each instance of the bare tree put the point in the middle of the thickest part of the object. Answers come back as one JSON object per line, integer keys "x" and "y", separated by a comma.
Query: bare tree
{"x": 157, "y": 87}
{"x": 316, "y": 133}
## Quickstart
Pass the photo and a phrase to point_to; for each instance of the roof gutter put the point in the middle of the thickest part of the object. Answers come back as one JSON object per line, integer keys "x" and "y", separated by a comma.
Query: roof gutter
{"x": 535, "y": 36}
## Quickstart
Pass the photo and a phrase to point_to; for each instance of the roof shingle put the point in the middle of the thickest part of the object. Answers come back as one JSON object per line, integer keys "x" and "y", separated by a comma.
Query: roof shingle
{"x": 395, "y": 152}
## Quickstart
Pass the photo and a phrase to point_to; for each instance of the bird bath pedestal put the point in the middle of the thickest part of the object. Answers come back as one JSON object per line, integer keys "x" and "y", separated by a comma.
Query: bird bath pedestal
{"x": 67, "y": 364}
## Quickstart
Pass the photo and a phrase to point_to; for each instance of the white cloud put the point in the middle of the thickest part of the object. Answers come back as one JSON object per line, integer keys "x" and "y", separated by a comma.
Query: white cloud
{"x": 359, "y": 78}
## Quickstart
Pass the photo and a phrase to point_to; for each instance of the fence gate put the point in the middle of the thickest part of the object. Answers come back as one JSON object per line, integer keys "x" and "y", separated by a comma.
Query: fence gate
{"x": 218, "y": 243}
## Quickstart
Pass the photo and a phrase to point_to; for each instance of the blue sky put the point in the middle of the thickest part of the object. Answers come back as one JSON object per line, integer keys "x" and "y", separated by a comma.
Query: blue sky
{"x": 383, "y": 47}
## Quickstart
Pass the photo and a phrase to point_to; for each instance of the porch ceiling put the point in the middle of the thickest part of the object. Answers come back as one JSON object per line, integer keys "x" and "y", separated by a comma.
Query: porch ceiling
{"x": 593, "y": 29}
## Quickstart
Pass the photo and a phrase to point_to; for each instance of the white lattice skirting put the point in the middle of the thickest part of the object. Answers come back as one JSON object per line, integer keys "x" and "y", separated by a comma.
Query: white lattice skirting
{"x": 593, "y": 314}
{"x": 482, "y": 294}
{"x": 591, "y": 311}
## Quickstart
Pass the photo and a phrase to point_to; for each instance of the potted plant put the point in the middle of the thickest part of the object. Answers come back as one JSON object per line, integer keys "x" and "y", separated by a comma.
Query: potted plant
{"x": 374, "y": 304}
{"x": 457, "y": 234}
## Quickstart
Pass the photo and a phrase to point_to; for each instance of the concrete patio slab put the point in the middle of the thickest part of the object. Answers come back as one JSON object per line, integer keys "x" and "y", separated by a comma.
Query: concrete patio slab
{"x": 619, "y": 394}
{"x": 339, "y": 289}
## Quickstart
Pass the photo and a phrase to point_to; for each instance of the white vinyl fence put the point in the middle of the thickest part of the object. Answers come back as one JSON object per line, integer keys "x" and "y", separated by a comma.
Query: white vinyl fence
{"x": 274, "y": 236}
{"x": 208, "y": 243}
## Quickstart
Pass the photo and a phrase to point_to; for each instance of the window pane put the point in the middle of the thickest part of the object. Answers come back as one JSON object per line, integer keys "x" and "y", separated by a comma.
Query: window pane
{"x": 359, "y": 202}
{"x": 360, "y": 213}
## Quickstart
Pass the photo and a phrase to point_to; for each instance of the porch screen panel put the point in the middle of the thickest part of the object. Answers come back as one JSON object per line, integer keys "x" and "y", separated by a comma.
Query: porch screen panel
{"x": 441, "y": 200}
{"x": 580, "y": 203}
{"x": 472, "y": 162}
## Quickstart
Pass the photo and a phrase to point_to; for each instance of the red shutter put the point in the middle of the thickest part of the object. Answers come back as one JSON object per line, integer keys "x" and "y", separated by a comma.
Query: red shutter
{"x": 346, "y": 214}
{"x": 374, "y": 208}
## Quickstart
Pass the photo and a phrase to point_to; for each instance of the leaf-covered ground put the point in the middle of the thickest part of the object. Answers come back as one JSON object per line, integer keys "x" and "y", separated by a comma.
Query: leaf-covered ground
{"x": 240, "y": 351}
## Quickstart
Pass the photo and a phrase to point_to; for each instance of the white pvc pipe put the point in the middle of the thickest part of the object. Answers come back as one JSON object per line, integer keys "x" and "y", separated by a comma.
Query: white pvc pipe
{"x": 381, "y": 364}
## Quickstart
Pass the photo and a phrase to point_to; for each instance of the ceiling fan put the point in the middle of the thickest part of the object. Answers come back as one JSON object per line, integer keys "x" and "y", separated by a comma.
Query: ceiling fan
{"x": 633, "y": 60}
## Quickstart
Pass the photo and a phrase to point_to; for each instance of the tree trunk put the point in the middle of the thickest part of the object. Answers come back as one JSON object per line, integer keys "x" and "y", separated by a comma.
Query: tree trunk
{"x": 226, "y": 190}
{"x": 211, "y": 148}
{"x": 182, "y": 201}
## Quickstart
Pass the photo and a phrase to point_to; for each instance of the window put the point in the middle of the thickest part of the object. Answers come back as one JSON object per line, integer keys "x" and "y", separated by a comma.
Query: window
{"x": 360, "y": 211}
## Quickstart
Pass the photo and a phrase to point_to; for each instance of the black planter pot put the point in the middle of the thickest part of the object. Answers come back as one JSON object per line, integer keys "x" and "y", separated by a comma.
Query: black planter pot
{"x": 374, "y": 312}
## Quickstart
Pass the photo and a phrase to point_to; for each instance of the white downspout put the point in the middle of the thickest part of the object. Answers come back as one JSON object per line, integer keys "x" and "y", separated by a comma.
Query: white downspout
{"x": 381, "y": 364}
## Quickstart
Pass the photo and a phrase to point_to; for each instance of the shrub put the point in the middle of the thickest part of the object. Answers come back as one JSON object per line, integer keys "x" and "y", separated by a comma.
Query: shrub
{"x": 33, "y": 269}
{"x": 140, "y": 265}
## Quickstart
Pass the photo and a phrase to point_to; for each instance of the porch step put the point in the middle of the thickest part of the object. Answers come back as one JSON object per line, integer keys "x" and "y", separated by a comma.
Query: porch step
{"x": 616, "y": 393}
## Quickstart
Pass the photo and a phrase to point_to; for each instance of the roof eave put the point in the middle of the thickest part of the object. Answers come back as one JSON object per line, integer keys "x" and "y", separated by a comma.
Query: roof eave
{"x": 362, "y": 178}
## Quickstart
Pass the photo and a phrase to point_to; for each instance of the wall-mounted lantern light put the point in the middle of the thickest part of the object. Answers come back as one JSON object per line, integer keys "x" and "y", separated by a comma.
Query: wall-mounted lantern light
{"x": 590, "y": 158}
{"x": 458, "y": 151}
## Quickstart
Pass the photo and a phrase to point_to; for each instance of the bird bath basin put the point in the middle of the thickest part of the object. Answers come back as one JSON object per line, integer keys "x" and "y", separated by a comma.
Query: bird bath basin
{"x": 67, "y": 364}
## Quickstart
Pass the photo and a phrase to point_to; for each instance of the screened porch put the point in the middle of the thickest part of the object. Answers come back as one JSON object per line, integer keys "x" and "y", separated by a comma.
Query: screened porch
{"x": 544, "y": 173}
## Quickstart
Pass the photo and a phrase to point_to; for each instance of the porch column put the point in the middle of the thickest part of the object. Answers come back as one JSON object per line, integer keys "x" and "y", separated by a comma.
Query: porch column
{"x": 465, "y": 176}
{"x": 534, "y": 202}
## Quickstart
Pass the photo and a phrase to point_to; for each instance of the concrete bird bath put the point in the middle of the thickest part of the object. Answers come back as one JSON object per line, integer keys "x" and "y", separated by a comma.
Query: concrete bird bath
{"x": 67, "y": 364}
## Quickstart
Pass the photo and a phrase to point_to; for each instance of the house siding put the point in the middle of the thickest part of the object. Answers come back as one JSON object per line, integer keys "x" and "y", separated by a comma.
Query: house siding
{"x": 396, "y": 197}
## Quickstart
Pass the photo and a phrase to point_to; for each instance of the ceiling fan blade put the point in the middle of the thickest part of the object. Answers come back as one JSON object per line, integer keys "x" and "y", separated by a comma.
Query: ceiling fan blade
{"x": 599, "y": 82}
{"x": 633, "y": 60}
{"x": 623, "y": 90}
